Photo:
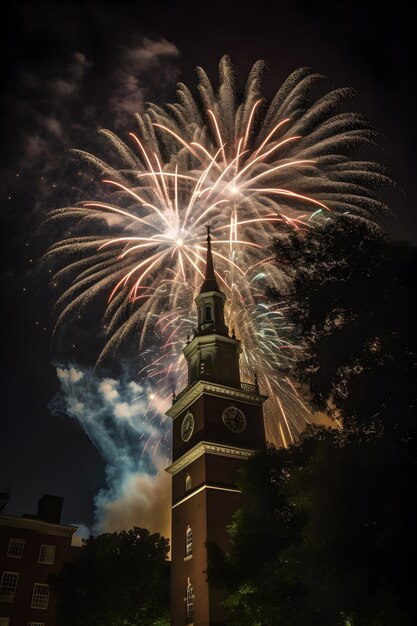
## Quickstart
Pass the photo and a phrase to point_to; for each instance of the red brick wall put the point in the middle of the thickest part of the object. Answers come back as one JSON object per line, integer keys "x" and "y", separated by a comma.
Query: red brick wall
{"x": 209, "y": 506}
{"x": 30, "y": 572}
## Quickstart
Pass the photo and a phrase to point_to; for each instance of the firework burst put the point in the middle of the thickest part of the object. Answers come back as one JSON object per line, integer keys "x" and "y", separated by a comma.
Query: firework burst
{"x": 244, "y": 167}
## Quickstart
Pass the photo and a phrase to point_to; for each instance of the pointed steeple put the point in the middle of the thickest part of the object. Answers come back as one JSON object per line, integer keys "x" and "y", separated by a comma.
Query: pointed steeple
{"x": 212, "y": 354}
{"x": 210, "y": 282}
{"x": 210, "y": 300}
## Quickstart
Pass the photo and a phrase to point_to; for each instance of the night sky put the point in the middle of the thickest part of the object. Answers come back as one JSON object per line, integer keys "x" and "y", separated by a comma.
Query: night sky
{"x": 71, "y": 68}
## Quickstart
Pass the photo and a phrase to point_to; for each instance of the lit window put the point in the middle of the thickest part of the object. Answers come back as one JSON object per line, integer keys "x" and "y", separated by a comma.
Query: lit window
{"x": 40, "y": 596}
{"x": 16, "y": 547}
{"x": 35, "y": 624}
{"x": 47, "y": 554}
{"x": 8, "y": 586}
{"x": 187, "y": 482}
{"x": 4, "y": 621}
{"x": 189, "y": 542}
{"x": 189, "y": 603}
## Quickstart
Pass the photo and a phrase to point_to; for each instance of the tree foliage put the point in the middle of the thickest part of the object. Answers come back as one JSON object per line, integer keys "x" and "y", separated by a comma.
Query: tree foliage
{"x": 352, "y": 299}
{"x": 326, "y": 532}
{"x": 116, "y": 579}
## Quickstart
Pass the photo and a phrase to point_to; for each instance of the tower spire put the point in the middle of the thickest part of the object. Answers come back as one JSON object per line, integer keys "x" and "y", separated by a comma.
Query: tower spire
{"x": 210, "y": 282}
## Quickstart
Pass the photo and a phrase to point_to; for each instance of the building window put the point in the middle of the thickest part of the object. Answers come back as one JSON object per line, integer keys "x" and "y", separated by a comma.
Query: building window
{"x": 40, "y": 596}
{"x": 189, "y": 613}
{"x": 188, "y": 483}
{"x": 47, "y": 554}
{"x": 8, "y": 586}
{"x": 208, "y": 366}
{"x": 189, "y": 542}
{"x": 4, "y": 621}
{"x": 208, "y": 313}
{"x": 194, "y": 371}
{"x": 16, "y": 547}
{"x": 35, "y": 624}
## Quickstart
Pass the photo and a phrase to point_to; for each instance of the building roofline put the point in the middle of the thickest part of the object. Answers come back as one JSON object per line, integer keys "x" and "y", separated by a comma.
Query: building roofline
{"x": 38, "y": 525}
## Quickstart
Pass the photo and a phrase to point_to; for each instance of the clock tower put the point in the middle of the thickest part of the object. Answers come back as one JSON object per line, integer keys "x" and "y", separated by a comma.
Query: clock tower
{"x": 217, "y": 425}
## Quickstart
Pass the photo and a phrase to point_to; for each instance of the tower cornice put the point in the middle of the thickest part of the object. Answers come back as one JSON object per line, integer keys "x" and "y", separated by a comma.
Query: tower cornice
{"x": 246, "y": 393}
{"x": 210, "y": 339}
{"x": 205, "y": 447}
{"x": 204, "y": 294}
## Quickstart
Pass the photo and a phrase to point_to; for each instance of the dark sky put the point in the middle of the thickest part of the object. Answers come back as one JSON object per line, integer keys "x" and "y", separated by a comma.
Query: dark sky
{"x": 68, "y": 70}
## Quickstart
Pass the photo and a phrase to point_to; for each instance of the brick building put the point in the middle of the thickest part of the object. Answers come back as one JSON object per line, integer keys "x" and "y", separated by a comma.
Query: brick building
{"x": 217, "y": 426}
{"x": 31, "y": 548}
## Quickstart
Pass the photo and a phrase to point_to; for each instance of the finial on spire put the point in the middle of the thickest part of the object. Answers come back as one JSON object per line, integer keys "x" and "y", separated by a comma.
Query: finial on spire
{"x": 210, "y": 282}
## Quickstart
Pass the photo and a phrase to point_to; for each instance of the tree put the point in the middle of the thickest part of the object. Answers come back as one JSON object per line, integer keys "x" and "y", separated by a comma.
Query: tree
{"x": 116, "y": 579}
{"x": 326, "y": 531}
{"x": 325, "y": 535}
{"x": 256, "y": 579}
{"x": 352, "y": 300}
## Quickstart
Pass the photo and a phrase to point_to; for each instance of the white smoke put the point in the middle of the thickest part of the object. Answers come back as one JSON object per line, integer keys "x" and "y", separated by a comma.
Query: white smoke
{"x": 126, "y": 423}
{"x": 141, "y": 497}
{"x": 141, "y": 67}
{"x": 82, "y": 532}
{"x": 59, "y": 111}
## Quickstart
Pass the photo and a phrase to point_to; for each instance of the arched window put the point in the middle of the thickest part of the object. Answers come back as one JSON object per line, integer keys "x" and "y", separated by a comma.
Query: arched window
{"x": 193, "y": 371}
{"x": 188, "y": 483}
{"x": 208, "y": 366}
{"x": 189, "y": 602}
{"x": 188, "y": 542}
{"x": 208, "y": 313}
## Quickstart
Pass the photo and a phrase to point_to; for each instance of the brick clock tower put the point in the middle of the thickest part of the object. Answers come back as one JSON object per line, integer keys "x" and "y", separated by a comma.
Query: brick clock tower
{"x": 217, "y": 425}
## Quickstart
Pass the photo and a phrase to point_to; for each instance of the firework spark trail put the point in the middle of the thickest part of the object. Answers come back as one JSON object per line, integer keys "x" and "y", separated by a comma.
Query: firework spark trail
{"x": 246, "y": 168}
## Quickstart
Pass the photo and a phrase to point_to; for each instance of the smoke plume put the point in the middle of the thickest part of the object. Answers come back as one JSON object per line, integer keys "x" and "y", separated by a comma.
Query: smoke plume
{"x": 126, "y": 422}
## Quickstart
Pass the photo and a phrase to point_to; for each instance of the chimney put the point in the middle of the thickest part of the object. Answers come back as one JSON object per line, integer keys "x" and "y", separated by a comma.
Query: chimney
{"x": 49, "y": 508}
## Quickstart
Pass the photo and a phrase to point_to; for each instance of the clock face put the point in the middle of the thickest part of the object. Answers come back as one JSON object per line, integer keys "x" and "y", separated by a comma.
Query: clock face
{"x": 234, "y": 419}
{"x": 187, "y": 426}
